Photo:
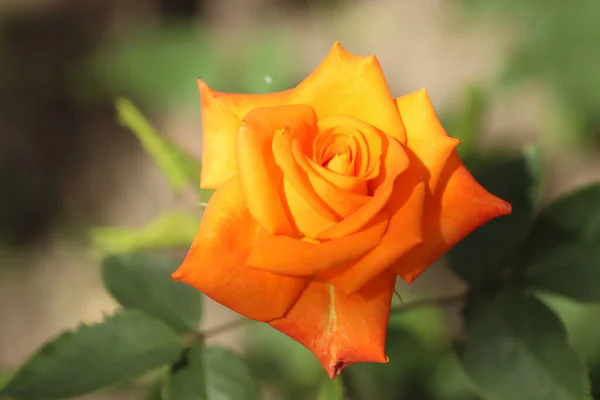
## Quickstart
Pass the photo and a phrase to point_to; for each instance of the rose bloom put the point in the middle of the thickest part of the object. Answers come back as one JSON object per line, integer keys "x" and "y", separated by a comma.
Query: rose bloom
{"x": 325, "y": 193}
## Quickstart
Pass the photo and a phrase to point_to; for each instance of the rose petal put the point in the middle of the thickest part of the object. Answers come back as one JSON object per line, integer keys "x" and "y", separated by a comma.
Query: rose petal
{"x": 459, "y": 206}
{"x": 261, "y": 178}
{"x": 425, "y": 135}
{"x": 284, "y": 143}
{"x": 222, "y": 114}
{"x": 348, "y": 84}
{"x": 341, "y": 330}
{"x": 349, "y": 183}
{"x": 367, "y": 138}
{"x": 314, "y": 203}
{"x": 455, "y": 203}
{"x": 405, "y": 231}
{"x": 395, "y": 162}
{"x": 290, "y": 256}
{"x": 215, "y": 263}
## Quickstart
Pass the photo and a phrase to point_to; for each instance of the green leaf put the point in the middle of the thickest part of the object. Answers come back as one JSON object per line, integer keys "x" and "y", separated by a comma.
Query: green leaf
{"x": 267, "y": 64}
{"x": 466, "y": 124}
{"x": 563, "y": 252}
{"x": 228, "y": 376}
{"x": 296, "y": 376}
{"x": 169, "y": 230}
{"x": 409, "y": 359}
{"x": 517, "y": 349}
{"x": 332, "y": 390}
{"x": 160, "y": 65}
{"x": 179, "y": 167}
{"x": 187, "y": 380}
{"x": 484, "y": 254}
{"x": 123, "y": 347}
{"x": 211, "y": 373}
{"x": 143, "y": 281}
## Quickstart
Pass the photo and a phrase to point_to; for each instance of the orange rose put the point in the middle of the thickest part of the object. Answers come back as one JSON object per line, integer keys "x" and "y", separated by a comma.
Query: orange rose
{"x": 324, "y": 193}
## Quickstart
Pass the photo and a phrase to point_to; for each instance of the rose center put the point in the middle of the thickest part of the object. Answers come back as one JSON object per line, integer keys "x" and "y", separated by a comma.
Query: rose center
{"x": 340, "y": 163}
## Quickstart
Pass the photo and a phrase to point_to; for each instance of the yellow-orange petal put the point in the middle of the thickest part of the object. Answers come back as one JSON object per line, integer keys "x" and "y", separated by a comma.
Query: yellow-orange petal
{"x": 425, "y": 135}
{"x": 261, "y": 177}
{"x": 222, "y": 115}
{"x": 366, "y": 139}
{"x": 457, "y": 207}
{"x": 405, "y": 231}
{"x": 215, "y": 263}
{"x": 348, "y": 84}
{"x": 341, "y": 330}
{"x": 291, "y": 256}
{"x": 395, "y": 162}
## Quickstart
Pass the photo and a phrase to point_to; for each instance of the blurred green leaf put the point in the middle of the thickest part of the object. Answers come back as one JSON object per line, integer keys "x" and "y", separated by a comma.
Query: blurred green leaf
{"x": 143, "y": 281}
{"x": 187, "y": 380}
{"x": 409, "y": 359}
{"x": 172, "y": 229}
{"x": 123, "y": 347}
{"x": 517, "y": 349}
{"x": 228, "y": 376}
{"x": 557, "y": 46}
{"x": 563, "y": 252}
{"x": 155, "y": 391}
{"x": 484, "y": 254}
{"x": 449, "y": 381}
{"x": 582, "y": 322}
{"x": 179, "y": 167}
{"x": 332, "y": 389}
{"x": 211, "y": 373}
{"x": 161, "y": 65}
{"x": 466, "y": 124}
{"x": 267, "y": 65}
{"x": 297, "y": 375}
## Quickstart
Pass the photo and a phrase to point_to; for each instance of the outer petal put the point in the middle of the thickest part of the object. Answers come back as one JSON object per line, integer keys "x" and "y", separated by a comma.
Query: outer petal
{"x": 261, "y": 178}
{"x": 290, "y": 256}
{"x": 222, "y": 114}
{"x": 458, "y": 206}
{"x": 215, "y": 264}
{"x": 341, "y": 330}
{"x": 425, "y": 135}
{"x": 345, "y": 83}
{"x": 455, "y": 203}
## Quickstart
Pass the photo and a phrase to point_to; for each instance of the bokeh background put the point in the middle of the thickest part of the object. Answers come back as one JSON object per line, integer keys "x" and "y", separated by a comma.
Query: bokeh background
{"x": 521, "y": 71}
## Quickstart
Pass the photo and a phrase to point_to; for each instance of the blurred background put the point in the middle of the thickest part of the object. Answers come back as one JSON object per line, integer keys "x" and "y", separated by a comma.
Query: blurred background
{"x": 520, "y": 72}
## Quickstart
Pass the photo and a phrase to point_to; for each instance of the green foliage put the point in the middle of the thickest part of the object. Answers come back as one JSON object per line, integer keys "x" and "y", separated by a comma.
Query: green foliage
{"x": 267, "y": 65}
{"x": 211, "y": 373}
{"x": 143, "y": 282}
{"x": 485, "y": 253}
{"x": 332, "y": 390}
{"x": 160, "y": 65}
{"x": 122, "y": 347}
{"x": 557, "y": 45}
{"x": 467, "y": 123}
{"x": 187, "y": 379}
{"x": 517, "y": 349}
{"x": 227, "y": 375}
{"x": 171, "y": 229}
{"x": 563, "y": 253}
{"x": 297, "y": 375}
{"x": 179, "y": 167}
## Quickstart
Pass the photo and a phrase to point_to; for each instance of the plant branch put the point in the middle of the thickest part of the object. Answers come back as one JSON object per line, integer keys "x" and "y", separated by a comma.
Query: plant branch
{"x": 443, "y": 301}
{"x": 227, "y": 326}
